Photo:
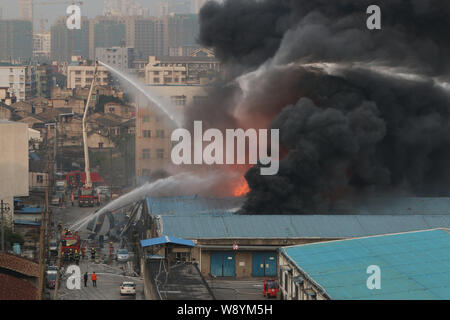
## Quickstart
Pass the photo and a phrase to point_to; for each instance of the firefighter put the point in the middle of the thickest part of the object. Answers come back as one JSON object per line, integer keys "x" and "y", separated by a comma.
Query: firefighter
{"x": 76, "y": 257}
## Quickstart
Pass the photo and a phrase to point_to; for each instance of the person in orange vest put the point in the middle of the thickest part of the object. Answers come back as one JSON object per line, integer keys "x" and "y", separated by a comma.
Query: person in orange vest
{"x": 98, "y": 198}
{"x": 94, "y": 279}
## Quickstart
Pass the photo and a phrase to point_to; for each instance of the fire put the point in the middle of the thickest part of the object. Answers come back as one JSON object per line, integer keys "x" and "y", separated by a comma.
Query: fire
{"x": 241, "y": 189}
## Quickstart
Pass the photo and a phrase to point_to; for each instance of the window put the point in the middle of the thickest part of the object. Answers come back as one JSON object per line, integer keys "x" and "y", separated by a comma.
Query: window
{"x": 39, "y": 178}
{"x": 147, "y": 133}
{"x": 155, "y": 80}
{"x": 145, "y": 153}
{"x": 77, "y": 72}
{"x": 111, "y": 109}
{"x": 156, "y": 73}
{"x": 160, "y": 153}
{"x": 160, "y": 133}
{"x": 100, "y": 145}
{"x": 146, "y": 119}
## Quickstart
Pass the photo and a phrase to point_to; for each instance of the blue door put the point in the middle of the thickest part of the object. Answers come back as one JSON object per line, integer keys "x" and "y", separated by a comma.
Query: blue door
{"x": 271, "y": 264}
{"x": 217, "y": 264}
{"x": 258, "y": 264}
{"x": 264, "y": 264}
{"x": 228, "y": 264}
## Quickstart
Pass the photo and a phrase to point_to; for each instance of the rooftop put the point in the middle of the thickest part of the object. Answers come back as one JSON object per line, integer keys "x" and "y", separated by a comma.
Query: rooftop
{"x": 192, "y": 217}
{"x": 414, "y": 265}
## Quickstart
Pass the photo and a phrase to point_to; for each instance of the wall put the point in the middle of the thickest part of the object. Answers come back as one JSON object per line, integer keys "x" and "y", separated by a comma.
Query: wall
{"x": 14, "y": 161}
{"x": 289, "y": 289}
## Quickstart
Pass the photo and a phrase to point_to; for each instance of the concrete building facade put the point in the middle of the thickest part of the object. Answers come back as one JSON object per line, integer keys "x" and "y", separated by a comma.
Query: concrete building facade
{"x": 120, "y": 58}
{"x": 13, "y": 164}
{"x": 20, "y": 79}
{"x": 81, "y": 76}
{"x": 154, "y": 128}
{"x": 16, "y": 40}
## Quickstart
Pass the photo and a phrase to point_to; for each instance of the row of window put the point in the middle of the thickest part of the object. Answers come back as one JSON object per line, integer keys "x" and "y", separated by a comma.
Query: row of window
{"x": 146, "y": 154}
{"x": 148, "y": 133}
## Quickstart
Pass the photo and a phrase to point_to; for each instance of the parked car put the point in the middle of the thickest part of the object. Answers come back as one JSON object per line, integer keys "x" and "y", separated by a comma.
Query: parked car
{"x": 51, "y": 275}
{"x": 55, "y": 200}
{"x": 128, "y": 288}
{"x": 53, "y": 246}
{"x": 123, "y": 255}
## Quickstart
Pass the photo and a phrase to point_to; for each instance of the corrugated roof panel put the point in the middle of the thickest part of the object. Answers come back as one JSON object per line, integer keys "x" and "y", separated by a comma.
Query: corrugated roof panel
{"x": 414, "y": 265}
{"x": 301, "y": 226}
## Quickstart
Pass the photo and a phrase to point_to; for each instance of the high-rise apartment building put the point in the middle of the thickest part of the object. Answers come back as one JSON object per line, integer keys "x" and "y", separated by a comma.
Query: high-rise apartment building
{"x": 66, "y": 43}
{"x": 42, "y": 46}
{"x": 16, "y": 40}
{"x": 124, "y": 8}
{"x": 106, "y": 32}
{"x": 26, "y": 10}
{"x": 148, "y": 36}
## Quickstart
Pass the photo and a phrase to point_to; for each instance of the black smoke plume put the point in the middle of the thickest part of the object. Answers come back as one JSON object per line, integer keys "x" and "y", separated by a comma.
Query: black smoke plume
{"x": 352, "y": 127}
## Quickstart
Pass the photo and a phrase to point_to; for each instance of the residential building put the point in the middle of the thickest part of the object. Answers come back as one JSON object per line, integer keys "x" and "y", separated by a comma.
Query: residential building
{"x": 154, "y": 128}
{"x": 20, "y": 79}
{"x": 44, "y": 79}
{"x": 16, "y": 40}
{"x": 66, "y": 43}
{"x": 181, "y": 70}
{"x": 410, "y": 266}
{"x": 26, "y": 10}
{"x": 42, "y": 46}
{"x": 166, "y": 7}
{"x": 13, "y": 164}
{"x": 124, "y": 8}
{"x": 106, "y": 32}
{"x": 120, "y": 58}
{"x": 148, "y": 36}
{"x": 81, "y": 76}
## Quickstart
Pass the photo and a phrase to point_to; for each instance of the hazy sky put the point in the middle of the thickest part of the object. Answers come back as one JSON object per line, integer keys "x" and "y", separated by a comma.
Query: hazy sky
{"x": 91, "y": 8}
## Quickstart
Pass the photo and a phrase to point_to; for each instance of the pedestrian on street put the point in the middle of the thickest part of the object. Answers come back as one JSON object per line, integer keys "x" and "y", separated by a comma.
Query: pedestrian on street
{"x": 73, "y": 198}
{"x": 94, "y": 280}
{"x": 85, "y": 278}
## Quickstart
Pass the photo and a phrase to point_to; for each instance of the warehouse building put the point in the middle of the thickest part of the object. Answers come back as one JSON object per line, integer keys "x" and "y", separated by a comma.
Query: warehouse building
{"x": 233, "y": 245}
{"x": 407, "y": 266}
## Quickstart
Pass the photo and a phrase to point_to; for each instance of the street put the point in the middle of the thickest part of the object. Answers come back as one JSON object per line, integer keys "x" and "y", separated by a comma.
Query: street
{"x": 110, "y": 275}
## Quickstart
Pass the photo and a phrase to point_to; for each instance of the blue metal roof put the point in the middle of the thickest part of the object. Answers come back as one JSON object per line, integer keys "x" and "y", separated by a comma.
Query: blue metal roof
{"x": 27, "y": 222}
{"x": 166, "y": 239}
{"x": 414, "y": 265}
{"x": 296, "y": 226}
{"x": 28, "y": 210}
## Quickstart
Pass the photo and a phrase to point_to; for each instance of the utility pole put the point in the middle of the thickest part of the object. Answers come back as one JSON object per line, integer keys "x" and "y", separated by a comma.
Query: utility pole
{"x": 41, "y": 254}
{"x": 4, "y": 207}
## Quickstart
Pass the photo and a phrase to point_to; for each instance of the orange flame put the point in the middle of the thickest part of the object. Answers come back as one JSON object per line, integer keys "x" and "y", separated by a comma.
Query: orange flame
{"x": 241, "y": 189}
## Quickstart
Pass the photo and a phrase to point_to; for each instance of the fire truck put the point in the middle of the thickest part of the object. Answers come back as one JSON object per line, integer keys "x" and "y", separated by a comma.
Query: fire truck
{"x": 87, "y": 197}
{"x": 70, "y": 243}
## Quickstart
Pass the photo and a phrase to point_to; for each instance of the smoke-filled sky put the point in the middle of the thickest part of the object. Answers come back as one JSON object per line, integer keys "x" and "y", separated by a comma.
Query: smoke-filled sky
{"x": 361, "y": 113}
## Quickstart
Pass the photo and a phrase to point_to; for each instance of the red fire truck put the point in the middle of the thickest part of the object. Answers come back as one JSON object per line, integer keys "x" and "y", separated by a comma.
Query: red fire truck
{"x": 69, "y": 242}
